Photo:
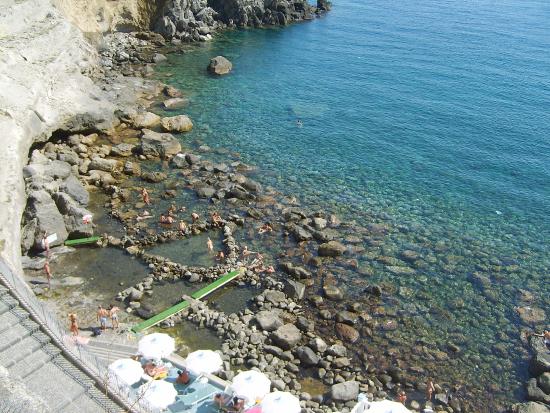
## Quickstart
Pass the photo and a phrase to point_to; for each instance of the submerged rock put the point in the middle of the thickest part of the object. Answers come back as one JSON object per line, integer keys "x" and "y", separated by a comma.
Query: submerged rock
{"x": 333, "y": 293}
{"x": 174, "y": 103}
{"x": 331, "y": 249}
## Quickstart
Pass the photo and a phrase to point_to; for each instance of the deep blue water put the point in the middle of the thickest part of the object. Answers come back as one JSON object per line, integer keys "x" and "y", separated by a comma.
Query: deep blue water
{"x": 429, "y": 115}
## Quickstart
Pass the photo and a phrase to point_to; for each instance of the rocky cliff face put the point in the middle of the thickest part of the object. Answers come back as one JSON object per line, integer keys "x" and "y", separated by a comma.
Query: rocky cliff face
{"x": 43, "y": 85}
{"x": 196, "y": 19}
{"x": 100, "y": 16}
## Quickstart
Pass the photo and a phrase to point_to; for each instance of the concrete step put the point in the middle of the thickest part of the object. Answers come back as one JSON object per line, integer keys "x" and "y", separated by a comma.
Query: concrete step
{"x": 107, "y": 355}
{"x": 82, "y": 404}
{"x": 122, "y": 348}
{"x": 15, "y": 334}
{"x": 59, "y": 389}
{"x": 19, "y": 351}
{"x": 7, "y": 303}
{"x": 11, "y": 318}
{"x": 73, "y": 372}
{"x": 30, "y": 364}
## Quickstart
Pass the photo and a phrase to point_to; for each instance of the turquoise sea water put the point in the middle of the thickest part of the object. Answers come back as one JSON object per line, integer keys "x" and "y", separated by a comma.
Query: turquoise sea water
{"x": 431, "y": 117}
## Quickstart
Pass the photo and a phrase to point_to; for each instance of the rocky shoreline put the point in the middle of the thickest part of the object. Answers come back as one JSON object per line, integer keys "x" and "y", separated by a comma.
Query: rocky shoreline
{"x": 282, "y": 334}
{"x": 278, "y": 334}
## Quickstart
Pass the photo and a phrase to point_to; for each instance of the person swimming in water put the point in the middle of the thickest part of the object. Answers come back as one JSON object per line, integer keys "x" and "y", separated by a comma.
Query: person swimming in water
{"x": 299, "y": 123}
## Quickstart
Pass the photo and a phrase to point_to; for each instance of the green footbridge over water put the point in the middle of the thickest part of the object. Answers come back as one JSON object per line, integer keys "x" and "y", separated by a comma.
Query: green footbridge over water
{"x": 203, "y": 292}
{"x": 81, "y": 241}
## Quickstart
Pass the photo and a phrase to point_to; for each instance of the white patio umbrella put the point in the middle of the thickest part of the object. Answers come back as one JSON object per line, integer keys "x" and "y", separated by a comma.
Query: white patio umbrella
{"x": 203, "y": 361}
{"x": 156, "y": 346}
{"x": 158, "y": 394}
{"x": 251, "y": 385}
{"x": 387, "y": 406}
{"x": 127, "y": 371}
{"x": 280, "y": 401}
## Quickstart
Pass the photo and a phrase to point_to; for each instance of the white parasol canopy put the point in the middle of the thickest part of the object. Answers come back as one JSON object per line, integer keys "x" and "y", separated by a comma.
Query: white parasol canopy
{"x": 127, "y": 371}
{"x": 156, "y": 346}
{"x": 280, "y": 401}
{"x": 203, "y": 362}
{"x": 251, "y": 385}
{"x": 384, "y": 406}
{"x": 158, "y": 394}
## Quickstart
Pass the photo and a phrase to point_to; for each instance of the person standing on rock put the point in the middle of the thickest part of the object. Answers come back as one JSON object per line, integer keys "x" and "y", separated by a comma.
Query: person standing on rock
{"x": 430, "y": 389}
{"x": 113, "y": 313}
{"x": 145, "y": 196}
{"x": 102, "y": 315}
{"x": 46, "y": 244}
{"x": 210, "y": 245}
{"x": 73, "y": 327}
{"x": 402, "y": 397}
{"x": 48, "y": 273}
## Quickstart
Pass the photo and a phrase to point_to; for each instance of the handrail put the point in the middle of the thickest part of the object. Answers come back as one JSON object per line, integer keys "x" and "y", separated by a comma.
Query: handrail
{"x": 120, "y": 393}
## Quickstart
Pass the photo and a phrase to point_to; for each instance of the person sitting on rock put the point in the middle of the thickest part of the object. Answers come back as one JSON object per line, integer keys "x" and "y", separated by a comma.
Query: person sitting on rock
{"x": 402, "y": 397}
{"x": 216, "y": 219}
{"x": 144, "y": 215}
{"x": 270, "y": 269}
{"x": 182, "y": 226}
{"x": 246, "y": 252}
{"x": 545, "y": 335}
{"x": 265, "y": 228}
{"x": 172, "y": 210}
{"x": 145, "y": 196}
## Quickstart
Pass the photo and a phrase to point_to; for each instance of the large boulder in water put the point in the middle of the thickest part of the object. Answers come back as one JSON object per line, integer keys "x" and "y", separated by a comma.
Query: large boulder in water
{"x": 145, "y": 120}
{"x": 159, "y": 144}
{"x": 219, "y": 65}
{"x": 180, "y": 123}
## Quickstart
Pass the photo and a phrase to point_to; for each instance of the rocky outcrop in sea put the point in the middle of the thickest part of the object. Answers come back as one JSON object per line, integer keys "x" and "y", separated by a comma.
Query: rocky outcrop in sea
{"x": 190, "y": 20}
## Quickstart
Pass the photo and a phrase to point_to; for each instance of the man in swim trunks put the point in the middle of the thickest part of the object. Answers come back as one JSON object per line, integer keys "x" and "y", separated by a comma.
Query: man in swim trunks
{"x": 102, "y": 315}
{"x": 113, "y": 312}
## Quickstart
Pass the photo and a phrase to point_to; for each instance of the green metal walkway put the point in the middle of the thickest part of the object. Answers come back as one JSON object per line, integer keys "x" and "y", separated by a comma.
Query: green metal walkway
{"x": 203, "y": 292}
{"x": 81, "y": 241}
